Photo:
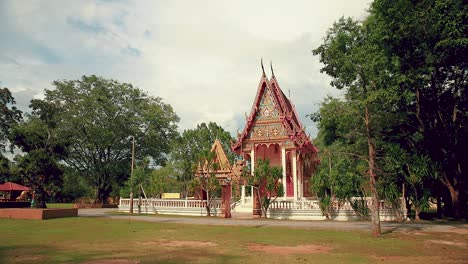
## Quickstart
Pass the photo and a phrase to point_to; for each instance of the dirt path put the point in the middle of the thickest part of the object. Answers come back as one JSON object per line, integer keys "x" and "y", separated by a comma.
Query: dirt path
{"x": 336, "y": 225}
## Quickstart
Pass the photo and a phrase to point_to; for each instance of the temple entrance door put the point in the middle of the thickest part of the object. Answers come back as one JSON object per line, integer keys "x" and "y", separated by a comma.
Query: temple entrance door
{"x": 289, "y": 186}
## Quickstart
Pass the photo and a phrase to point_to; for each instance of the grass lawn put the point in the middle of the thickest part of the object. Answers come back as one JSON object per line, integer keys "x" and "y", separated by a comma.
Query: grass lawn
{"x": 75, "y": 240}
{"x": 59, "y": 205}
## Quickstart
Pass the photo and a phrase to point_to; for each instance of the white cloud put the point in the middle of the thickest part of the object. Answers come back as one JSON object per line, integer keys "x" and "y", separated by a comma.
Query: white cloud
{"x": 202, "y": 57}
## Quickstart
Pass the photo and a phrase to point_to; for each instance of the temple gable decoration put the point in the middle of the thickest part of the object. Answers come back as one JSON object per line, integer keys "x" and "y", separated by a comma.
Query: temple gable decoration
{"x": 273, "y": 116}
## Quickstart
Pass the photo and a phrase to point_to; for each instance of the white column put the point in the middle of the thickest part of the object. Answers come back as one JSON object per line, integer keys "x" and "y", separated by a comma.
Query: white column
{"x": 252, "y": 167}
{"x": 294, "y": 171}
{"x": 301, "y": 182}
{"x": 252, "y": 159}
{"x": 283, "y": 163}
{"x": 243, "y": 194}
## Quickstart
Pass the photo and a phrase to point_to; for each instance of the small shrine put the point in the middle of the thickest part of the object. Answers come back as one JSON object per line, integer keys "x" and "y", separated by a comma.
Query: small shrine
{"x": 225, "y": 173}
{"x": 274, "y": 131}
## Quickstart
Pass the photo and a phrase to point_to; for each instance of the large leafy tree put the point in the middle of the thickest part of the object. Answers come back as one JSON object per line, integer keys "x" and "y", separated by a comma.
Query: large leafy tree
{"x": 9, "y": 115}
{"x": 163, "y": 180}
{"x": 192, "y": 147}
{"x": 98, "y": 117}
{"x": 343, "y": 145}
{"x": 39, "y": 139}
{"x": 353, "y": 58}
{"x": 429, "y": 39}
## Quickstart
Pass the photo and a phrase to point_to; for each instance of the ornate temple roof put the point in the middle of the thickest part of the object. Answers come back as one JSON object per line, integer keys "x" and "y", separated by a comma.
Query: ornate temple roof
{"x": 220, "y": 158}
{"x": 272, "y": 106}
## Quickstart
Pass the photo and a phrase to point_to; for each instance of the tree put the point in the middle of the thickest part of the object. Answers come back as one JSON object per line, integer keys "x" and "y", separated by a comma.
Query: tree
{"x": 416, "y": 171}
{"x": 354, "y": 59}
{"x": 429, "y": 40}
{"x": 193, "y": 145}
{"x": 4, "y": 169}
{"x": 98, "y": 116}
{"x": 9, "y": 115}
{"x": 266, "y": 182}
{"x": 39, "y": 168}
{"x": 343, "y": 169}
{"x": 163, "y": 180}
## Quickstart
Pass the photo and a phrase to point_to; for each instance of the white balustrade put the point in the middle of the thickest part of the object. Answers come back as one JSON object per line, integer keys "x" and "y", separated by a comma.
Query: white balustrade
{"x": 171, "y": 203}
{"x": 315, "y": 204}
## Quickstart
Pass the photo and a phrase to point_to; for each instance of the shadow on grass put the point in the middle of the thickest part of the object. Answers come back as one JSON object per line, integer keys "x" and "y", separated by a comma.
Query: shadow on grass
{"x": 402, "y": 227}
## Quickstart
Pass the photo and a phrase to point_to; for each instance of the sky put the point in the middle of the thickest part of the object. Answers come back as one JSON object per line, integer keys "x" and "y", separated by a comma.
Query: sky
{"x": 202, "y": 57}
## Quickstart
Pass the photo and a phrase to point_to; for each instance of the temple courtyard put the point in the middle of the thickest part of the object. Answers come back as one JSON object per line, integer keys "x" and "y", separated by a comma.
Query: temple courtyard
{"x": 106, "y": 236}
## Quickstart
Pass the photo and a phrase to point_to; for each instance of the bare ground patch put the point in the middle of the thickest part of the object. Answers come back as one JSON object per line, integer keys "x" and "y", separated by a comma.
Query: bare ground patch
{"x": 448, "y": 243}
{"x": 111, "y": 261}
{"x": 387, "y": 258}
{"x": 287, "y": 250}
{"x": 461, "y": 231}
{"x": 27, "y": 258}
{"x": 179, "y": 243}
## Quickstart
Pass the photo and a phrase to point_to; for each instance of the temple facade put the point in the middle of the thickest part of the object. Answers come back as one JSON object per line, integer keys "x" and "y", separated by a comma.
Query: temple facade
{"x": 274, "y": 131}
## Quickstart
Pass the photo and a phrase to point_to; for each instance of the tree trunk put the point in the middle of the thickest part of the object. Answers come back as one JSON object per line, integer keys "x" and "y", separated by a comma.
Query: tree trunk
{"x": 39, "y": 198}
{"x": 440, "y": 213}
{"x": 453, "y": 195}
{"x": 455, "y": 201}
{"x": 374, "y": 208}
{"x": 208, "y": 211}
{"x": 417, "y": 211}
{"x": 257, "y": 202}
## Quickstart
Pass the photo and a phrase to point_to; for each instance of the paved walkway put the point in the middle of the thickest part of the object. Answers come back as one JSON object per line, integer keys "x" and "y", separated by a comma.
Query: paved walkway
{"x": 336, "y": 225}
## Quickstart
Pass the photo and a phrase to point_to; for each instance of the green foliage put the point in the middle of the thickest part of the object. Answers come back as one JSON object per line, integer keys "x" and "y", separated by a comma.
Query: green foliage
{"x": 207, "y": 180}
{"x": 266, "y": 182}
{"x": 40, "y": 172}
{"x": 430, "y": 41}
{"x": 163, "y": 180}
{"x": 405, "y": 75}
{"x": 416, "y": 171}
{"x": 140, "y": 177}
{"x": 342, "y": 172}
{"x": 74, "y": 187}
{"x": 5, "y": 172}
{"x": 9, "y": 115}
{"x": 194, "y": 146}
{"x": 97, "y": 118}
{"x": 39, "y": 168}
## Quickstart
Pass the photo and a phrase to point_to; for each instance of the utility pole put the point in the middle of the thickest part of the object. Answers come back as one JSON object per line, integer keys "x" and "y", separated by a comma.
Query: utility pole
{"x": 131, "y": 175}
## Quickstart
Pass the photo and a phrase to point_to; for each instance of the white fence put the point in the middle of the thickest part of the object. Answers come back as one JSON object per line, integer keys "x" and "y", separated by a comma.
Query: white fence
{"x": 171, "y": 206}
{"x": 280, "y": 209}
{"x": 341, "y": 211}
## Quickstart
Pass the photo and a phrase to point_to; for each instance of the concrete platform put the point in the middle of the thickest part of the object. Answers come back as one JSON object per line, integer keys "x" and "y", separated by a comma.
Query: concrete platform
{"x": 37, "y": 213}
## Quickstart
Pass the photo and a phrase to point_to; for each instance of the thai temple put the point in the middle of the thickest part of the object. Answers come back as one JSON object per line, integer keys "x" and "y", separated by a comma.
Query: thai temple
{"x": 274, "y": 131}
